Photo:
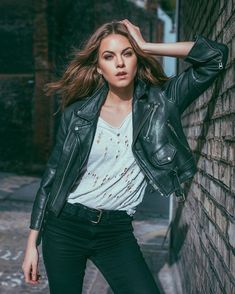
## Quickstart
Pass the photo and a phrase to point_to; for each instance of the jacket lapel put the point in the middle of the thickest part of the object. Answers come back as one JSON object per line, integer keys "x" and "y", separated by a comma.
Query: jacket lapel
{"x": 88, "y": 113}
{"x": 91, "y": 108}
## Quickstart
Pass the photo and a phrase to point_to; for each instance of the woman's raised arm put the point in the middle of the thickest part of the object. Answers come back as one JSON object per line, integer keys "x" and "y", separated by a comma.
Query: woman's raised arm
{"x": 178, "y": 49}
{"x": 207, "y": 57}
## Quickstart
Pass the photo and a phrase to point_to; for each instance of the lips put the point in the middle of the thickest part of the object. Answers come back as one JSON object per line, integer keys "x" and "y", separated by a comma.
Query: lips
{"x": 121, "y": 73}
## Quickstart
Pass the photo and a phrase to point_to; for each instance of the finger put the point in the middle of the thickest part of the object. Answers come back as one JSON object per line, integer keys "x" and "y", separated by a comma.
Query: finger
{"x": 128, "y": 22}
{"x": 122, "y": 21}
{"x": 34, "y": 272}
{"x": 33, "y": 282}
{"x": 125, "y": 21}
{"x": 27, "y": 277}
{"x": 33, "y": 279}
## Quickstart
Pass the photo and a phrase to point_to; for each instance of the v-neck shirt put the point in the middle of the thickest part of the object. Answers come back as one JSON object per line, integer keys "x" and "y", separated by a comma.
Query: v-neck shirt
{"x": 113, "y": 127}
{"x": 112, "y": 179}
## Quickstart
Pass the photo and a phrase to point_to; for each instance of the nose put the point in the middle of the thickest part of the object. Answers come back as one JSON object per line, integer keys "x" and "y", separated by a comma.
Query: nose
{"x": 119, "y": 61}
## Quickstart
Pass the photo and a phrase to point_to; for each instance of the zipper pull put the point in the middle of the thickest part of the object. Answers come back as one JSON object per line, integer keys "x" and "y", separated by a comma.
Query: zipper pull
{"x": 155, "y": 187}
{"x": 220, "y": 65}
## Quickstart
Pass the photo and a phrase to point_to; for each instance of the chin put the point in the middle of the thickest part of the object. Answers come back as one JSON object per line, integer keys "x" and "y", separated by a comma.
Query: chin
{"x": 121, "y": 83}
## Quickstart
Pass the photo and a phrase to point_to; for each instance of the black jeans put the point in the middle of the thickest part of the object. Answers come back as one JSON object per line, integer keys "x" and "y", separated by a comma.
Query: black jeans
{"x": 71, "y": 238}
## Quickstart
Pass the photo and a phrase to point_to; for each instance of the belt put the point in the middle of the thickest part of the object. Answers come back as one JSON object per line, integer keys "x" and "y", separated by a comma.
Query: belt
{"x": 95, "y": 214}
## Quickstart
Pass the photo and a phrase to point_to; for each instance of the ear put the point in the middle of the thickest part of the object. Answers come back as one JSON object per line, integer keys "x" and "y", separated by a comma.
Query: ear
{"x": 99, "y": 70}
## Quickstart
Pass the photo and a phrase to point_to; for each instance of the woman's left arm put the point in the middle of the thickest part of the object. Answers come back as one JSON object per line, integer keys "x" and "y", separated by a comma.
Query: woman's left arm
{"x": 177, "y": 49}
{"x": 207, "y": 57}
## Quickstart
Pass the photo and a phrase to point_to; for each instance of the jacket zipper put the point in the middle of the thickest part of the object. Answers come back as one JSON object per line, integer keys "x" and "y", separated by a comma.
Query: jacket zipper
{"x": 75, "y": 145}
{"x": 155, "y": 106}
{"x": 218, "y": 50}
{"x": 140, "y": 126}
{"x": 220, "y": 64}
{"x": 173, "y": 130}
{"x": 212, "y": 48}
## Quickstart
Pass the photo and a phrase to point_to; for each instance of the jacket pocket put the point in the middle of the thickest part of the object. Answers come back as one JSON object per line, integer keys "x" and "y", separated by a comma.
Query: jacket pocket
{"x": 165, "y": 154}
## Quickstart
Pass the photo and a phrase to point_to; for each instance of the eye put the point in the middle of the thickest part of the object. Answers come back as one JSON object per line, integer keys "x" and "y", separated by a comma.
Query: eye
{"x": 107, "y": 57}
{"x": 129, "y": 53}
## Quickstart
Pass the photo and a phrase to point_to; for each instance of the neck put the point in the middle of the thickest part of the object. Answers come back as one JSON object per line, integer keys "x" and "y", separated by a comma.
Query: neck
{"x": 117, "y": 96}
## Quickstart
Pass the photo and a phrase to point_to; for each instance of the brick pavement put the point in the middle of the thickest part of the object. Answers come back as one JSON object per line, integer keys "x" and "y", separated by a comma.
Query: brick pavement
{"x": 16, "y": 196}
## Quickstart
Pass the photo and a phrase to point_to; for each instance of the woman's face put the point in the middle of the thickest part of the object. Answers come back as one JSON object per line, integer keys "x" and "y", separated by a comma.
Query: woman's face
{"x": 115, "y": 56}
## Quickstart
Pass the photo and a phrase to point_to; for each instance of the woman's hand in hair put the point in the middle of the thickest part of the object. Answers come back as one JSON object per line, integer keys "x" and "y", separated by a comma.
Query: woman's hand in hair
{"x": 134, "y": 32}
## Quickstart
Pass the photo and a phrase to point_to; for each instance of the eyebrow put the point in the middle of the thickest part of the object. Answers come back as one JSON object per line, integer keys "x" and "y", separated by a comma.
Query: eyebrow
{"x": 113, "y": 52}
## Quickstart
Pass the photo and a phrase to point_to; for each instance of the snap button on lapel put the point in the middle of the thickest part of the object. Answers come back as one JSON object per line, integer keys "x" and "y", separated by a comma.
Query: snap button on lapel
{"x": 76, "y": 128}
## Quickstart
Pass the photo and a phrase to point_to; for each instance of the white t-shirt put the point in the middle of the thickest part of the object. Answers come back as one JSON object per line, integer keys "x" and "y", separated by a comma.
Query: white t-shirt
{"x": 112, "y": 179}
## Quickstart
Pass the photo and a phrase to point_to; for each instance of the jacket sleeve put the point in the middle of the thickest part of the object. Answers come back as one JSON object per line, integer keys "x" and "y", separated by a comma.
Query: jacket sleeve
{"x": 42, "y": 194}
{"x": 208, "y": 59}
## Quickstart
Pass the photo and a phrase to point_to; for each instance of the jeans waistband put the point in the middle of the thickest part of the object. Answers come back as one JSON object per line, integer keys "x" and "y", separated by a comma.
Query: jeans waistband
{"x": 95, "y": 214}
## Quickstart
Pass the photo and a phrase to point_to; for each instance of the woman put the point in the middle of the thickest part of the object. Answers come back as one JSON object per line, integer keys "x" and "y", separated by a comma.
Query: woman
{"x": 120, "y": 129}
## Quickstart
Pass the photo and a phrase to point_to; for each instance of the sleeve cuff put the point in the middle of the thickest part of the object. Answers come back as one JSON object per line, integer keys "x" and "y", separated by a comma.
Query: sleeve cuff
{"x": 203, "y": 50}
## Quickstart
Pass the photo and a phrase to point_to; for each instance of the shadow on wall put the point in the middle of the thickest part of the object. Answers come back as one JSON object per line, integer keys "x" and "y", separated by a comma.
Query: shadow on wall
{"x": 178, "y": 239}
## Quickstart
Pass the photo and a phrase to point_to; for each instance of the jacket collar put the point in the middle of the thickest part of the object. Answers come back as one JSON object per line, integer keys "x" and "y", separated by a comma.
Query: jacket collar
{"x": 90, "y": 109}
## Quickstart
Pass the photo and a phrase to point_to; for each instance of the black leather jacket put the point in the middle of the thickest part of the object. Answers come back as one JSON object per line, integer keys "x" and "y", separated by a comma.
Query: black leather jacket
{"x": 159, "y": 143}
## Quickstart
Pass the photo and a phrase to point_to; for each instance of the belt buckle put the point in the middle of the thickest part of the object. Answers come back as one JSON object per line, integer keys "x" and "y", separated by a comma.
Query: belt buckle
{"x": 99, "y": 217}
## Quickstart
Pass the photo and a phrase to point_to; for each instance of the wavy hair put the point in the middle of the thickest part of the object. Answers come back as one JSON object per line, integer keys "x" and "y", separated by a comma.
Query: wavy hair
{"x": 81, "y": 79}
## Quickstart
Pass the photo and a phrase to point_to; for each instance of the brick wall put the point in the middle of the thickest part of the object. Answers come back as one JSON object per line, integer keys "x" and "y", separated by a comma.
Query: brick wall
{"x": 203, "y": 232}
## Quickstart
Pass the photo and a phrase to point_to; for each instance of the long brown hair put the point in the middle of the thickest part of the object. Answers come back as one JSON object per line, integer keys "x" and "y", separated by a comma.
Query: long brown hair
{"x": 81, "y": 78}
